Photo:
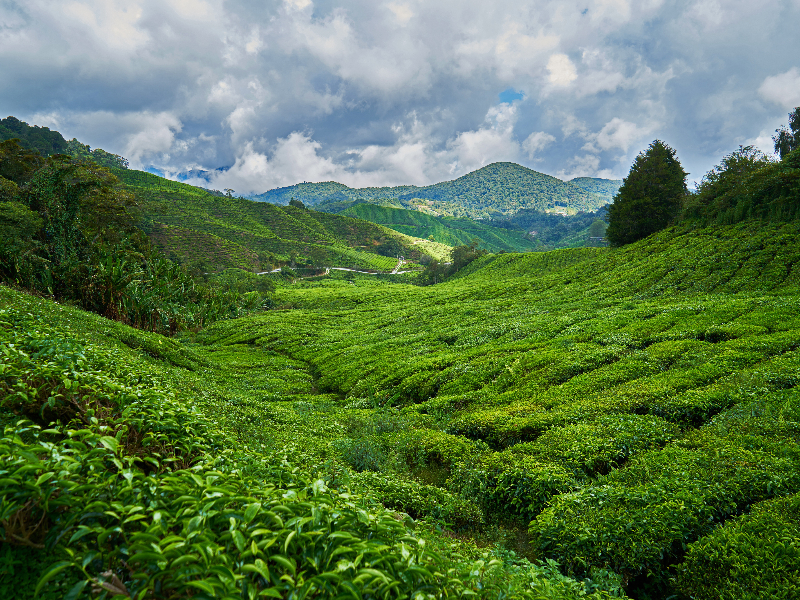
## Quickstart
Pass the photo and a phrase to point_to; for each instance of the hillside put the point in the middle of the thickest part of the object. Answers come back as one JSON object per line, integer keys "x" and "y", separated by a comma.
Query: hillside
{"x": 605, "y": 188}
{"x": 446, "y": 230}
{"x": 630, "y": 414}
{"x": 48, "y": 142}
{"x": 191, "y": 224}
{"x": 499, "y": 188}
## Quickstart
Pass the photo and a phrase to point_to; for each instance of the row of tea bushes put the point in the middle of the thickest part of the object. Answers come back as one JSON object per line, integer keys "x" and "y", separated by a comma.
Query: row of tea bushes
{"x": 640, "y": 519}
{"x": 750, "y": 557}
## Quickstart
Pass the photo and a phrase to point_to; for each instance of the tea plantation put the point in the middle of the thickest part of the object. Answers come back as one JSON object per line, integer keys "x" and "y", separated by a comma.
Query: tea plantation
{"x": 581, "y": 423}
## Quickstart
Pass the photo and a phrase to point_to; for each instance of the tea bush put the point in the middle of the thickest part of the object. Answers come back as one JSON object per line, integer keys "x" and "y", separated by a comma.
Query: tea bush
{"x": 753, "y": 556}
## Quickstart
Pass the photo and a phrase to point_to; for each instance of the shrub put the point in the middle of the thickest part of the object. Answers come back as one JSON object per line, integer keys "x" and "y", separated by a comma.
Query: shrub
{"x": 753, "y": 556}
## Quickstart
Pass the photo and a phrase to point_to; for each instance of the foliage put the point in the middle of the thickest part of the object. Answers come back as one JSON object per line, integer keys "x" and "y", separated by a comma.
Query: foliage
{"x": 753, "y": 556}
{"x": 17, "y": 166}
{"x": 39, "y": 140}
{"x": 605, "y": 188}
{"x": 499, "y": 188}
{"x": 139, "y": 490}
{"x": 105, "y": 159}
{"x": 189, "y": 223}
{"x": 788, "y": 139}
{"x": 650, "y": 197}
{"x": 447, "y": 230}
{"x": 748, "y": 185}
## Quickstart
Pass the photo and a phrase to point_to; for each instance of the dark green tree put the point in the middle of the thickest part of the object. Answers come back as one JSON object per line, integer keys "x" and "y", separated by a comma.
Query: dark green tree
{"x": 650, "y": 197}
{"x": 296, "y": 203}
{"x": 18, "y": 164}
{"x": 726, "y": 186}
{"x": 788, "y": 139}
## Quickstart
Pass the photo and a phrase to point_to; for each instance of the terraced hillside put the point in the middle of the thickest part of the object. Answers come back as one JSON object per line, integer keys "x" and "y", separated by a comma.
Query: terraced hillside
{"x": 617, "y": 409}
{"x": 499, "y": 188}
{"x": 446, "y": 230}
{"x": 631, "y": 415}
{"x": 192, "y": 224}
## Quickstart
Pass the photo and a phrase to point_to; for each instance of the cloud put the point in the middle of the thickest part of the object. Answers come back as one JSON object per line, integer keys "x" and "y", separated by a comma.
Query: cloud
{"x": 536, "y": 142}
{"x": 783, "y": 89}
{"x": 399, "y": 91}
{"x": 618, "y": 133}
{"x": 562, "y": 71}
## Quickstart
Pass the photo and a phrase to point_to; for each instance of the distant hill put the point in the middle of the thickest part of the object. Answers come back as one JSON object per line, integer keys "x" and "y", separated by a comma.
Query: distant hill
{"x": 497, "y": 189}
{"x": 605, "y": 188}
{"x": 453, "y": 231}
{"x": 191, "y": 224}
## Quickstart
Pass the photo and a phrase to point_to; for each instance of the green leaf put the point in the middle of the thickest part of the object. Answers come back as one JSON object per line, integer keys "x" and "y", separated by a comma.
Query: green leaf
{"x": 285, "y": 562}
{"x": 238, "y": 539}
{"x": 204, "y": 585}
{"x": 75, "y": 590}
{"x": 50, "y": 574}
{"x": 251, "y": 512}
{"x": 44, "y": 477}
{"x": 109, "y": 442}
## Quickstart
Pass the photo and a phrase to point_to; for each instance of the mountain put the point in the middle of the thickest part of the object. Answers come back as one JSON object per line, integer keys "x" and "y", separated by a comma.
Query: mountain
{"x": 498, "y": 189}
{"x": 605, "y": 188}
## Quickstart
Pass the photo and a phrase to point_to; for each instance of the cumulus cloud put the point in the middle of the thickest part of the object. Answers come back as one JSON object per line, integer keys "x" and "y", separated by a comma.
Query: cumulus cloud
{"x": 380, "y": 92}
{"x": 536, "y": 142}
{"x": 562, "y": 71}
{"x": 783, "y": 89}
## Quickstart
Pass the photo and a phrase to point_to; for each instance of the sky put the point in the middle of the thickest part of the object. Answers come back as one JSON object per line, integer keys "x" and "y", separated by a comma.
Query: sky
{"x": 269, "y": 93}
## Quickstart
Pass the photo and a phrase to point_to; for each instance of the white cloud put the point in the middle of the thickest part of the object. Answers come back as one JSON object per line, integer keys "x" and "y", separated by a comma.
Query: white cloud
{"x": 536, "y": 142}
{"x": 618, "y": 133}
{"x": 783, "y": 89}
{"x": 219, "y": 83}
{"x": 562, "y": 71}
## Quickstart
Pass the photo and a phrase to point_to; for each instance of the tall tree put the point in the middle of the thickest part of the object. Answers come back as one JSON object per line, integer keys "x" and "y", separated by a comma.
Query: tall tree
{"x": 788, "y": 139}
{"x": 650, "y": 196}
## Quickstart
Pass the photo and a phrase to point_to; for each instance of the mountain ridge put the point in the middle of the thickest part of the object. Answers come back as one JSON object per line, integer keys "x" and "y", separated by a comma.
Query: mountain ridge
{"x": 498, "y": 188}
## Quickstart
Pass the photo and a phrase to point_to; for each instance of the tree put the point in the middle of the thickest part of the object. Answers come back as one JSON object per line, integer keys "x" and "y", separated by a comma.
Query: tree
{"x": 650, "y": 196}
{"x": 725, "y": 186}
{"x": 785, "y": 139}
{"x": 296, "y": 203}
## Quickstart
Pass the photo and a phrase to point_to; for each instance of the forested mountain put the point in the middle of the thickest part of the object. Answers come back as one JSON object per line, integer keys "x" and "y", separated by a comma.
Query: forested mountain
{"x": 496, "y": 189}
{"x": 605, "y": 188}
{"x": 452, "y": 231}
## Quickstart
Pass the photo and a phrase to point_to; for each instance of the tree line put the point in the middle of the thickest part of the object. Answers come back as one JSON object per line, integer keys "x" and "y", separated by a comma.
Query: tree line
{"x": 747, "y": 184}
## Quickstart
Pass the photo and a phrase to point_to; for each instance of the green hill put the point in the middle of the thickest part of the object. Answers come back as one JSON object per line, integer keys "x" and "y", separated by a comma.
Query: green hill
{"x": 446, "y": 230}
{"x": 192, "y": 224}
{"x": 499, "y": 188}
{"x": 605, "y": 188}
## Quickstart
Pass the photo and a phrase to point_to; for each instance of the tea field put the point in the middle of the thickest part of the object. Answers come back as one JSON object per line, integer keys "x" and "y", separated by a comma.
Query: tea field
{"x": 581, "y": 423}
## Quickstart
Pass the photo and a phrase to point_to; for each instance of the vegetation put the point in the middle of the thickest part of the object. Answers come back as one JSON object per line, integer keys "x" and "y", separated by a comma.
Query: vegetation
{"x": 580, "y": 423}
{"x": 650, "y": 197}
{"x": 190, "y": 224}
{"x": 494, "y": 190}
{"x": 787, "y": 139}
{"x": 446, "y": 230}
{"x": 45, "y": 142}
{"x": 605, "y": 188}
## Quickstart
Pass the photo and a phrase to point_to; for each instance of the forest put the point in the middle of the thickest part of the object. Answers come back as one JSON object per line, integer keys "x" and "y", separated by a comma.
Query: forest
{"x": 589, "y": 422}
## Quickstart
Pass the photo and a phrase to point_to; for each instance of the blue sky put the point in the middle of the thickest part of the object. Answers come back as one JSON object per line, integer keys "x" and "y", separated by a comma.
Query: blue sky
{"x": 371, "y": 92}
